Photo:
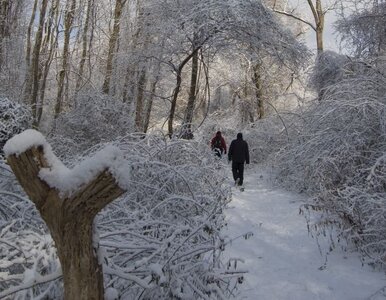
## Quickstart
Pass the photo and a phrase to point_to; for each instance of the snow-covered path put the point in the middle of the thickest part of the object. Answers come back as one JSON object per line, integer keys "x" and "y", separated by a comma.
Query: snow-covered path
{"x": 284, "y": 262}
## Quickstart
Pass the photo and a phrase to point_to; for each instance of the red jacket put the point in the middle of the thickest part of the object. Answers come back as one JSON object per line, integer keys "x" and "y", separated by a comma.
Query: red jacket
{"x": 223, "y": 146}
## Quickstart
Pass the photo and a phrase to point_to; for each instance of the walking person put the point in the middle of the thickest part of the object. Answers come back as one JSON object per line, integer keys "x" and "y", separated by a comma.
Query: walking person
{"x": 218, "y": 144}
{"x": 239, "y": 154}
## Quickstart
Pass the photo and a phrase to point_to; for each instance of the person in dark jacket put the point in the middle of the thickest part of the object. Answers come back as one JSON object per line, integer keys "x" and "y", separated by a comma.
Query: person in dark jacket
{"x": 238, "y": 153}
{"x": 218, "y": 144}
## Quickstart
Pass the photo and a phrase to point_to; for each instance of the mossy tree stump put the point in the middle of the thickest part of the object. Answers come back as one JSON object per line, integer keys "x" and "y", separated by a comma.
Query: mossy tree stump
{"x": 70, "y": 220}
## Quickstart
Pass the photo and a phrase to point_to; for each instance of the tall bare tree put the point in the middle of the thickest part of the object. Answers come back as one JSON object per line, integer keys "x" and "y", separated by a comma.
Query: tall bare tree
{"x": 119, "y": 5}
{"x": 318, "y": 13}
{"x": 189, "y": 111}
{"x": 32, "y": 84}
{"x": 49, "y": 46}
{"x": 68, "y": 24}
{"x": 87, "y": 36}
{"x": 256, "y": 78}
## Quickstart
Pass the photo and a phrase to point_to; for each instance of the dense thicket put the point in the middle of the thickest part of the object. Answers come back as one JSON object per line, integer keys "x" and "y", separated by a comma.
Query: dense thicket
{"x": 160, "y": 240}
{"x": 337, "y": 155}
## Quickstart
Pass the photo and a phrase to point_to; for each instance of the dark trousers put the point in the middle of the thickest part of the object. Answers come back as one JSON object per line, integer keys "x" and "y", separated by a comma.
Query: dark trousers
{"x": 218, "y": 152}
{"x": 238, "y": 172}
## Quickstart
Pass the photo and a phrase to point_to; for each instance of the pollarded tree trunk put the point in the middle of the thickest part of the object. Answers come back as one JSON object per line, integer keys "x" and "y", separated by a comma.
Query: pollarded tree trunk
{"x": 69, "y": 220}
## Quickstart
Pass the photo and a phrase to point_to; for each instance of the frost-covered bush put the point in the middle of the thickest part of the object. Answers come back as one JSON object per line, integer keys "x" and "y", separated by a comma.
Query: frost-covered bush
{"x": 328, "y": 69}
{"x": 339, "y": 158}
{"x": 331, "y": 68}
{"x": 175, "y": 210}
{"x": 95, "y": 119}
{"x": 14, "y": 118}
{"x": 267, "y": 136}
{"x": 160, "y": 240}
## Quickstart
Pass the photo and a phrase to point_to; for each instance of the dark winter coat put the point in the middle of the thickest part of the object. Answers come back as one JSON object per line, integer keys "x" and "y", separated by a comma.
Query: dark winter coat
{"x": 238, "y": 151}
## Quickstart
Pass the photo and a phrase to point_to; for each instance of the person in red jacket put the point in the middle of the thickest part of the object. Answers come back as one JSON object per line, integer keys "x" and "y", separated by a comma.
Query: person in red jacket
{"x": 218, "y": 144}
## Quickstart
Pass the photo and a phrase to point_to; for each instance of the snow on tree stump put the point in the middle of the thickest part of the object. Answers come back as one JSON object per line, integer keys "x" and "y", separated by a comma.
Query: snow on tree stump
{"x": 68, "y": 201}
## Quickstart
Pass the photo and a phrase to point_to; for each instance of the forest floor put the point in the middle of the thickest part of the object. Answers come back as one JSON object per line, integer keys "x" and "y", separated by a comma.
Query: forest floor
{"x": 283, "y": 261}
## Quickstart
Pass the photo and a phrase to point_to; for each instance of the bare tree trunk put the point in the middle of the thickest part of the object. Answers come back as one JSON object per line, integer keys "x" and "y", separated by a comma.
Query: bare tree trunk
{"x": 82, "y": 62}
{"x": 128, "y": 91}
{"x": 28, "y": 79}
{"x": 10, "y": 11}
{"x": 68, "y": 21}
{"x": 149, "y": 104}
{"x": 119, "y": 4}
{"x": 258, "y": 91}
{"x": 70, "y": 221}
{"x": 35, "y": 64}
{"x": 139, "y": 104}
{"x": 49, "y": 46}
{"x": 318, "y": 26}
{"x": 187, "y": 124}
{"x": 4, "y": 10}
{"x": 318, "y": 14}
{"x": 176, "y": 90}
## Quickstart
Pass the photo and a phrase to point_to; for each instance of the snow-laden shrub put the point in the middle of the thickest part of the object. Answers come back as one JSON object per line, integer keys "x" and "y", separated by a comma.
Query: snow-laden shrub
{"x": 339, "y": 159}
{"x": 331, "y": 68}
{"x": 95, "y": 119}
{"x": 175, "y": 210}
{"x": 160, "y": 240}
{"x": 267, "y": 136}
{"x": 328, "y": 69}
{"x": 14, "y": 118}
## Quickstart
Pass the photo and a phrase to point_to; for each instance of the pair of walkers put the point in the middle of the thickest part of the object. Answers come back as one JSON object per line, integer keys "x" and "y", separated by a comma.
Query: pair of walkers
{"x": 238, "y": 153}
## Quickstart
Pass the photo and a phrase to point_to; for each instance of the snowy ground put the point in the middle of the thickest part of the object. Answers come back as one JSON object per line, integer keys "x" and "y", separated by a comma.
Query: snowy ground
{"x": 284, "y": 262}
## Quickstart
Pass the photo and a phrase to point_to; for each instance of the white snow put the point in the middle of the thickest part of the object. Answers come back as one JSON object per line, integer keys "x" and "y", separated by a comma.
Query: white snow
{"x": 67, "y": 180}
{"x": 284, "y": 262}
{"x": 24, "y": 141}
{"x": 111, "y": 294}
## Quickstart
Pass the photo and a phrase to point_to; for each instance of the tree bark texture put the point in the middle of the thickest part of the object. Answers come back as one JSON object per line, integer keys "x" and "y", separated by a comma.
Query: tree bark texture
{"x": 49, "y": 46}
{"x": 139, "y": 121}
{"x": 32, "y": 85}
{"x": 112, "y": 45}
{"x": 69, "y": 220}
{"x": 68, "y": 21}
{"x": 258, "y": 91}
{"x": 177, "y": 89}
{"x": 4, "y": 31}
{"x": 85, "y": 43}
{"x": 317, "y": 12}
{"x": 192, "y": 98}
